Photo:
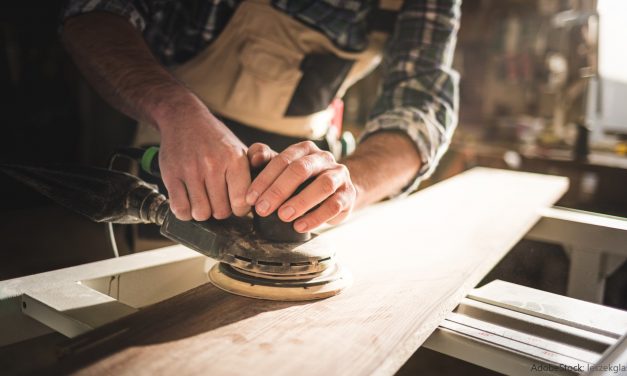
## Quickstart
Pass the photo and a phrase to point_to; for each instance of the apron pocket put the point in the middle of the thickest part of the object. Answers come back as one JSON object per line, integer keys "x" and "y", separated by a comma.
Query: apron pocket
{"x": 267, "y": 78}
{"x": 323, "y": 74}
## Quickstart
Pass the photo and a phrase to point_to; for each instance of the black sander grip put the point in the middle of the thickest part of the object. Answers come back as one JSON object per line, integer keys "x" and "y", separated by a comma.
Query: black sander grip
{"x": 273, "y": 228}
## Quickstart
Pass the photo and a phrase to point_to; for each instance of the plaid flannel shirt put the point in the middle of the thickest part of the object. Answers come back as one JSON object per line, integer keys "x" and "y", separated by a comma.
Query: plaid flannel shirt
{"x": 419, "y": 95}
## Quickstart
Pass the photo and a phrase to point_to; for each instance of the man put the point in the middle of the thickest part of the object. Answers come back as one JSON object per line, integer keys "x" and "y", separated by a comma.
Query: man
{"x": 198, "y": 70}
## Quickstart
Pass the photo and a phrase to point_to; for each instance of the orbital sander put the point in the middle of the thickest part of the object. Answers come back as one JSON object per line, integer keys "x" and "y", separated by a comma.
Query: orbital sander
{"x": 262, "y": 258}
{"x": 259, "y": 257}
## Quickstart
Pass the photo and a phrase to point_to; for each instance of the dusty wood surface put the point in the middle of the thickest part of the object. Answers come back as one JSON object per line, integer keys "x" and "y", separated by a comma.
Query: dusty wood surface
{"x": 413, "y": 260}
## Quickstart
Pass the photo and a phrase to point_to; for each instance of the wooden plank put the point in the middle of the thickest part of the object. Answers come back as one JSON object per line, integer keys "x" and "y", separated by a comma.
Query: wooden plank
{"x": 413, "y": 260}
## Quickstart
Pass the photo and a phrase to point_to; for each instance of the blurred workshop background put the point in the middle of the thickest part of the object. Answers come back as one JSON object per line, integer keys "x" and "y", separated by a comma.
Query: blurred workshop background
{"x": 543, "y": 89}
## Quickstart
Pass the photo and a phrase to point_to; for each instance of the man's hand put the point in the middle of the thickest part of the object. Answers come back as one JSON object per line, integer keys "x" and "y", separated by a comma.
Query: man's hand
{"x": 331, "y": 189}
{"x": 204, "y": 166}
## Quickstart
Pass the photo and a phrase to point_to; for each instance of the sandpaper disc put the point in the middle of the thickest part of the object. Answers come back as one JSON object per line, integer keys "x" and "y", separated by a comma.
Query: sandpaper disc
{"x": 318, "y": 286}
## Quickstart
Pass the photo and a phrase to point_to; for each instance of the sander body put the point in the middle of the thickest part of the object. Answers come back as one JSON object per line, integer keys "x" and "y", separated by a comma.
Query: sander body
{"x": 259, "y": 257}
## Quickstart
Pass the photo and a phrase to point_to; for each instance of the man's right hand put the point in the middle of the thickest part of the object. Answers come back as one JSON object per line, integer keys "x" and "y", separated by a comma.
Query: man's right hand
{"x": 203, "y": 165}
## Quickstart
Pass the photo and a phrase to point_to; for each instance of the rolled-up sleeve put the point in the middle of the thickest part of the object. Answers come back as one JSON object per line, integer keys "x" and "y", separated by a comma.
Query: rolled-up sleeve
{"x": 131, "y": 10}
{"x": 419, "y": 96}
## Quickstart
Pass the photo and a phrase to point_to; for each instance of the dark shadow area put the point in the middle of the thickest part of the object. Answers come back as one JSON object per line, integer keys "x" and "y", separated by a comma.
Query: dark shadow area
{"x": 427, "y": 362}
{"x": 26, "y": 356}
{"x": 533, "y": 264}
{"x": 616, "y": 288}
{"x": 50, "y": 237}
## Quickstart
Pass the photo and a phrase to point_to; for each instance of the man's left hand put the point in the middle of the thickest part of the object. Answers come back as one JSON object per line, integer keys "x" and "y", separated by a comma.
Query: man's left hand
{"x": 331, "y": 192}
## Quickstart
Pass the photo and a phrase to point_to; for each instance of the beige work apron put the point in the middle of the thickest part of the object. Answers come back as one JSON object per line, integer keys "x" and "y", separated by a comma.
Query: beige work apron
{"x": 250, "y": 72}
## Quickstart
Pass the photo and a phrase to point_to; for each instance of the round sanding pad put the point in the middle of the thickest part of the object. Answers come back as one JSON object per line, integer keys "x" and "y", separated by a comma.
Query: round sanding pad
{"x": 285, "y": 288}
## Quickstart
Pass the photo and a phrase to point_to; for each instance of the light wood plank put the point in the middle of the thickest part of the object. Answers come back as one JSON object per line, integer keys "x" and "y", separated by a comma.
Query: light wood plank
{"x": 413, "y": 260}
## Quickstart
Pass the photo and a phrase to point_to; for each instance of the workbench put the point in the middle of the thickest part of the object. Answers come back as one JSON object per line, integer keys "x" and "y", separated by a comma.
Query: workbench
{"x": 413, "y": 261}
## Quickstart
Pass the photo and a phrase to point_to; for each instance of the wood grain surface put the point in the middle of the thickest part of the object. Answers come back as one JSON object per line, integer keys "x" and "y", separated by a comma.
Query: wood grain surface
{"x": 412, "y": 260}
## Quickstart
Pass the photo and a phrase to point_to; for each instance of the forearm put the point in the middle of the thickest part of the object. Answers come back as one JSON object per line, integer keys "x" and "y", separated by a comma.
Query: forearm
{"x": 114, "y": 58}
{"x": 420, "y": 88}
{"x": 382, "y": 165}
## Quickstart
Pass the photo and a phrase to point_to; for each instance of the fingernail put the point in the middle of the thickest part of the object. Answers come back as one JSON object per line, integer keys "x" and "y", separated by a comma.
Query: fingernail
{"x": 251, "y": 197}
{"x": 300, "y": 226}
{"x": 262, "y": 207}
{"x": 286, "y": 213}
